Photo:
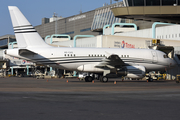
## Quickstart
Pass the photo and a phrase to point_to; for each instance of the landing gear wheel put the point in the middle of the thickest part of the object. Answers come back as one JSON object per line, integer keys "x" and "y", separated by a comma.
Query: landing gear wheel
{"x": 104, "y": 79}
{"x": 150, "y": 79}
{"x": 88, "y": 79}
{"x": 100, "y": 78}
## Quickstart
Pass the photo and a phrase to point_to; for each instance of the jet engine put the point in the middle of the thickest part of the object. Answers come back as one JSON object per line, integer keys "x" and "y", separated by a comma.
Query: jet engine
{"x": 132, "y": 71}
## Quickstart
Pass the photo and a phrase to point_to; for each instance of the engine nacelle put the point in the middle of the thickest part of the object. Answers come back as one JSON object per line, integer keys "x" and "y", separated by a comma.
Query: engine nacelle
{"x": 89, "y": 68}
{"x": 132, "y": 71}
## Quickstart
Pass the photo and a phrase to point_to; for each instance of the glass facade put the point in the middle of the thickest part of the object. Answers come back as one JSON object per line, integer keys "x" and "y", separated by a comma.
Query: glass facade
{"x": 104, "y": 17}
{"x": 69, "y": 33}
{"x": 130, "y": 2}
{"x": 152, "y": 2}
{"x": 87, "y": 29}
{"x": 12, "y": 40}
{"x": 3, "y": 42}
{"x": 138, "y": 2}
{"x": 169, "y": 2}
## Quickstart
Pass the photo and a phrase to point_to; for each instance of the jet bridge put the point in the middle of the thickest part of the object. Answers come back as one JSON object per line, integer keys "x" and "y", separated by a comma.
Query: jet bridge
{"x": 157, "y": 45}
{"x": 169, "y": 50}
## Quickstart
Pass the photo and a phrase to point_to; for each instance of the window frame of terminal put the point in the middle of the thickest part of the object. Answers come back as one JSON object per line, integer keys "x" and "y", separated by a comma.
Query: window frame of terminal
{"x": 165, "y": 56}
{"x": 153, "y": 2}
{"x": 103, "y": 17}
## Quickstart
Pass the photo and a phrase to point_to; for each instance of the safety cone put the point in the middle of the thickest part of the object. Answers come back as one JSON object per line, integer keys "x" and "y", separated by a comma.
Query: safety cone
{"x": 47, "y": 81}
{"x": 93, "y": 81}
{"x": 115, "y": 82}
{"x": 147, "y": 80}
{"x": 67, "y": 81}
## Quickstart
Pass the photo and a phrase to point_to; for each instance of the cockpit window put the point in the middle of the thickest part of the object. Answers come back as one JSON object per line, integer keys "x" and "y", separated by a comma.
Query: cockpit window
{"x": 165, "y": 56}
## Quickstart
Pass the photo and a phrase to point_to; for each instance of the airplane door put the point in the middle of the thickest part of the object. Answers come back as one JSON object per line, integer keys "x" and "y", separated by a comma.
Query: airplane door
{"x": 154, "y": 57}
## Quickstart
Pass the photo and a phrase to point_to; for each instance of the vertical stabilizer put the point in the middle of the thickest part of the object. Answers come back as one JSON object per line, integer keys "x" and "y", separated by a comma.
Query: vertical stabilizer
{"x": 25, "y": 33}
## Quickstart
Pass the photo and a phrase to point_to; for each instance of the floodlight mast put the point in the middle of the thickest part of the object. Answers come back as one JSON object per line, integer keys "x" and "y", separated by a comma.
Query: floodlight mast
{"x": 117, "y": 2}
{"x": 55, "y": 16}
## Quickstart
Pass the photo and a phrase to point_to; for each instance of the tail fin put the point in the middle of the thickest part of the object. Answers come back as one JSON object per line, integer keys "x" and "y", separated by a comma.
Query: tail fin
{"x": 25, "y": 33}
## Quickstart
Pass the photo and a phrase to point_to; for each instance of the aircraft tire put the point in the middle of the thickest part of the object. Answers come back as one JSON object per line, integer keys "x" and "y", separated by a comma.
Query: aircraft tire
{"x": 104, "y": 79}
{"x": 150, "y": 79}
{"x": 100, "y": 78}
{"x": 88, "y": 79}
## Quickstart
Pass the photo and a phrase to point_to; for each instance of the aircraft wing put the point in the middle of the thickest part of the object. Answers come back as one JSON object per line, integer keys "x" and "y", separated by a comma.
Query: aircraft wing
{"x": 112, "y": 60}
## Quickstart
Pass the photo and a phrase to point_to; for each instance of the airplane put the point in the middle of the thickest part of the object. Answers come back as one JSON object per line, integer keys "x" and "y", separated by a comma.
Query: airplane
{"x": 107, "y": 62}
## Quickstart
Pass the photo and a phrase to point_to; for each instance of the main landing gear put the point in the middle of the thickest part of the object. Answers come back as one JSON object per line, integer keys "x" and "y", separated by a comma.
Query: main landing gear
{"x": 88, "y": 79}
{"x": 101, "y": 78}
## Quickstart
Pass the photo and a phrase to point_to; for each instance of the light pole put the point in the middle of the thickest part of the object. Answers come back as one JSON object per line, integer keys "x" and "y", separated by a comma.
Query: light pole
{"x": 117, "y": 2}
{"x": 55, "y": 16}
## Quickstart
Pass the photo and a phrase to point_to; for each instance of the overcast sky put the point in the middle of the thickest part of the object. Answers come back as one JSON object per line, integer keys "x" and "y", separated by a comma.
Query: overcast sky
{"x": 35, "y": 10}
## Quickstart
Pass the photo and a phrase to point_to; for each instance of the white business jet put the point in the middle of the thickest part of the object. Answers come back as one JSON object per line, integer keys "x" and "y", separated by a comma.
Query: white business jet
{"x": 107, "y": 62}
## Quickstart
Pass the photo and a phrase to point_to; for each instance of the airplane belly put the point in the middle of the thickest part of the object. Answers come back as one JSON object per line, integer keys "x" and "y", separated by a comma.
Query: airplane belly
{"x": 155, "y": 67}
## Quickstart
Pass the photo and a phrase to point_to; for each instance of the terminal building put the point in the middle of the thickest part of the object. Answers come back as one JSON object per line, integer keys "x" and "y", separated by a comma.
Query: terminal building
{"x": 126, "y": 24}
{"x": 88, "y": 23}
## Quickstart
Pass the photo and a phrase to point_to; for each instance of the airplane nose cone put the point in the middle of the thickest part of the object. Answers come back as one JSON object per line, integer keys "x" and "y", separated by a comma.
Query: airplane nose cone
{"x": 173, "y": 63}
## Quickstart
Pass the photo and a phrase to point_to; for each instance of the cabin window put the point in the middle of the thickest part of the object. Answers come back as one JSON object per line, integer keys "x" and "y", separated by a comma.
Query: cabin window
{"x": 128, "y": 56}
{"x": 64, "y": 54}
{"x": 165, "y": 56}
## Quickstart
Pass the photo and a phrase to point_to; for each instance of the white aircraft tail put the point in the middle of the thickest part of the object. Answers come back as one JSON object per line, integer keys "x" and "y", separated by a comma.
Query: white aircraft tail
{"x": 25, "y": 33}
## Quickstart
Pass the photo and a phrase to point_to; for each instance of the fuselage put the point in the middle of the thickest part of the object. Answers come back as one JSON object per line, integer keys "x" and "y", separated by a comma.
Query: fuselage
{"x": 72, "y": 58}
{"x": 133, "y": 63}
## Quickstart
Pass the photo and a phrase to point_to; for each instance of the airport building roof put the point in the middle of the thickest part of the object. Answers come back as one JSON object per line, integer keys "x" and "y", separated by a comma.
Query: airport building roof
{"x": 150, "y": 10}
